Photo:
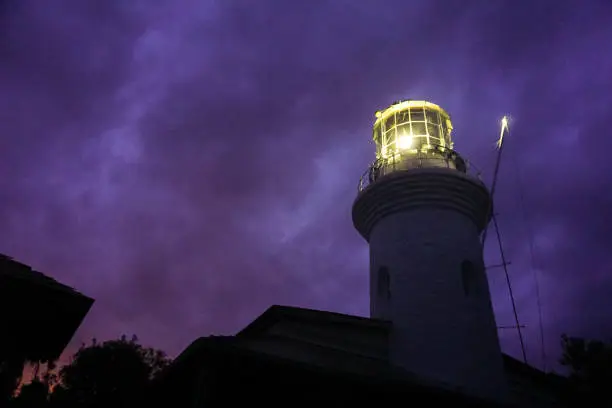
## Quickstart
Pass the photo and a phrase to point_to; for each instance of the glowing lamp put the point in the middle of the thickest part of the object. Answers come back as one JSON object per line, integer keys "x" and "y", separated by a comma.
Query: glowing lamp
{"x": 412, "y": 125}
{"x": 410, "y": 134}
{"x": 404, "y": 142}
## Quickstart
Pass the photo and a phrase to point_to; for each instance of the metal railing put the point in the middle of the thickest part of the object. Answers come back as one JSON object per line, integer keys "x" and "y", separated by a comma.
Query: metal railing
{"x": 437, "y": 157}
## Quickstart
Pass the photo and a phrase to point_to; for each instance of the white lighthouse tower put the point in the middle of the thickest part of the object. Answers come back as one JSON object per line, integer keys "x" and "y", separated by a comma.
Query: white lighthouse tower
{"x": 422, "y": 214}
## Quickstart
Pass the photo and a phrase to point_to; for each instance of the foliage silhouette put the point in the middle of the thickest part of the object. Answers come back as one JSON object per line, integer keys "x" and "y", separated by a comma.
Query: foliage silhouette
{"x": 117, "y": 373}
{"x": 590, "y": 365}
{"x": 114, "y": 373}
{"x": 32, "y": 395}
{"x": 11, "y": 370}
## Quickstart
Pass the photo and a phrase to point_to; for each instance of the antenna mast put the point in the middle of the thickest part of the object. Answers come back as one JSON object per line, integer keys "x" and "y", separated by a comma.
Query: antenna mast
{"x": 504, "y": 131}
{"x": 500, "y": 146}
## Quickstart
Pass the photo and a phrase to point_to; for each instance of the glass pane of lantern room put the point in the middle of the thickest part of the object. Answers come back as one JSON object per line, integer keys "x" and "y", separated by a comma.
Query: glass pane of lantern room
{"x": 416, "y": 114}
{"x": 389, "y": 122}
{"x": 432, "y": 116}
{"x": 376, "y": 135}
{"x": 402, "y": 117}
{"x": 446, "y": 133}
{"x": 418, "y": 142}
{"x": 388, "y": 139}
{"x": 434, "y": 134}
{"x": 418, "y": 128}
{"x": 443, "y": 130}
{"x": 403, "y": 130}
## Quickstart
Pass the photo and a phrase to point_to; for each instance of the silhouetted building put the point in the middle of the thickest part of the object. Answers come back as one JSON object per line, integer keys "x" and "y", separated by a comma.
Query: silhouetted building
{"x": 38, "y": 315}
{"x": 291, "y": 356}
{"x": 432, "y": 338}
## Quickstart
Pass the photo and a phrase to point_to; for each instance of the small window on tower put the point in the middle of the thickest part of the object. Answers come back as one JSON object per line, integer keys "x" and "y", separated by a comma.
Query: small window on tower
{"x": 468, "y": 277}
{"x": 384, "y": 282}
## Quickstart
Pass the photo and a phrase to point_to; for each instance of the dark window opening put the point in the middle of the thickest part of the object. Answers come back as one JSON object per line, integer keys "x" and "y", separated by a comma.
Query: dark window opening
{"x": 384, "y": 282}
{"x": 468, "y": 277}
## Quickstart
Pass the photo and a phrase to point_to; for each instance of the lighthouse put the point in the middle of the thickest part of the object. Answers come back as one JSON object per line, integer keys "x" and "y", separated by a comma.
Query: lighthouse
{"x": 422, "y": 213}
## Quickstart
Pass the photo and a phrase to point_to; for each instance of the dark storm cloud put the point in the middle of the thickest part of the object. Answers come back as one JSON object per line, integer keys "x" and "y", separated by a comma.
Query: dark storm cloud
{"x": 61, "y": 64}
{"x": 558, "y": 150}
{"x": 188, "y": 164}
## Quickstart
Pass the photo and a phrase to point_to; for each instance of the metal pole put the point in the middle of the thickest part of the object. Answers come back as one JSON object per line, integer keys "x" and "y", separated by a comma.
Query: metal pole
{"x": 500, "y": 146}
{"x": 504, "y": 263}
{"x": 504, "y": 130}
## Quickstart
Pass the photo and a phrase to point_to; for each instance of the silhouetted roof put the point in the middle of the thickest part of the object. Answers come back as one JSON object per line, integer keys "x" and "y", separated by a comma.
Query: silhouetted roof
{"x": 317, "y": 342}
{"x": 39, "y": 315}
{"x": 230, "y": 354}
{"x": 9, "y": 267}
{"x": 532, "y": 375}
{"x": 277, "y": 312}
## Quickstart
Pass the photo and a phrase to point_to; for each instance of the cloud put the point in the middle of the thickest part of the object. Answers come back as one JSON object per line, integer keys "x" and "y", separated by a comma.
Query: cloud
{"x": 188, "y": 164}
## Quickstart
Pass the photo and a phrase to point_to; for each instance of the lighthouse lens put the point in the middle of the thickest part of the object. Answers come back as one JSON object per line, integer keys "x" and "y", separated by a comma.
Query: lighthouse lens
{"x": 404, "y": 142}
{"x": 411, "y": 127}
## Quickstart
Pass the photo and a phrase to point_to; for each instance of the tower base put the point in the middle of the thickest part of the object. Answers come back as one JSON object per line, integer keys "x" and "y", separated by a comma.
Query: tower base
{"x": 427, "y": 276}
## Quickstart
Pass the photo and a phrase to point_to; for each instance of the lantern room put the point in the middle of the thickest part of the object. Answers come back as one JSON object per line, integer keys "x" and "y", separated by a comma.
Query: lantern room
{"x": 412, "y": 134}
{"x": 410, "y": 127}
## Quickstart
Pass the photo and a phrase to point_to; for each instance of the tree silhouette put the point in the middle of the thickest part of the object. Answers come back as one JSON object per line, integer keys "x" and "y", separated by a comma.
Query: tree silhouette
{"x": 36, "y": 393}
{"x": 11, "y": 370}
{"x": 32, "y": 395}
{"x": 590, "y": 365}
{"x": 111, "y": 374}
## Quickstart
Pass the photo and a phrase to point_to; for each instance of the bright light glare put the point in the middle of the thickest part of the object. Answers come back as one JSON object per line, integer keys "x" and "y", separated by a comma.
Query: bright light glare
{"x": 404, "y": 142}
{"x": 504, "y": 122}
{"x": 504, "y": 129}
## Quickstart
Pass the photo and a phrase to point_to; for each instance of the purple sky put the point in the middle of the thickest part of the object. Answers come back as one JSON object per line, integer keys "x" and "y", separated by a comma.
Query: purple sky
{"x": 190, "y": 163}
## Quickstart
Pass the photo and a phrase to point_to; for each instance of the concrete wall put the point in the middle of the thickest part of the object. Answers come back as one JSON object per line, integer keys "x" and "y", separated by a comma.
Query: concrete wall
{"x": 443, "y": 322}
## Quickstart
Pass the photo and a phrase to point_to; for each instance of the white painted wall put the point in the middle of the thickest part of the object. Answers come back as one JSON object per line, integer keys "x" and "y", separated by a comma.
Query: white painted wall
{"x": 438, "y": 331}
